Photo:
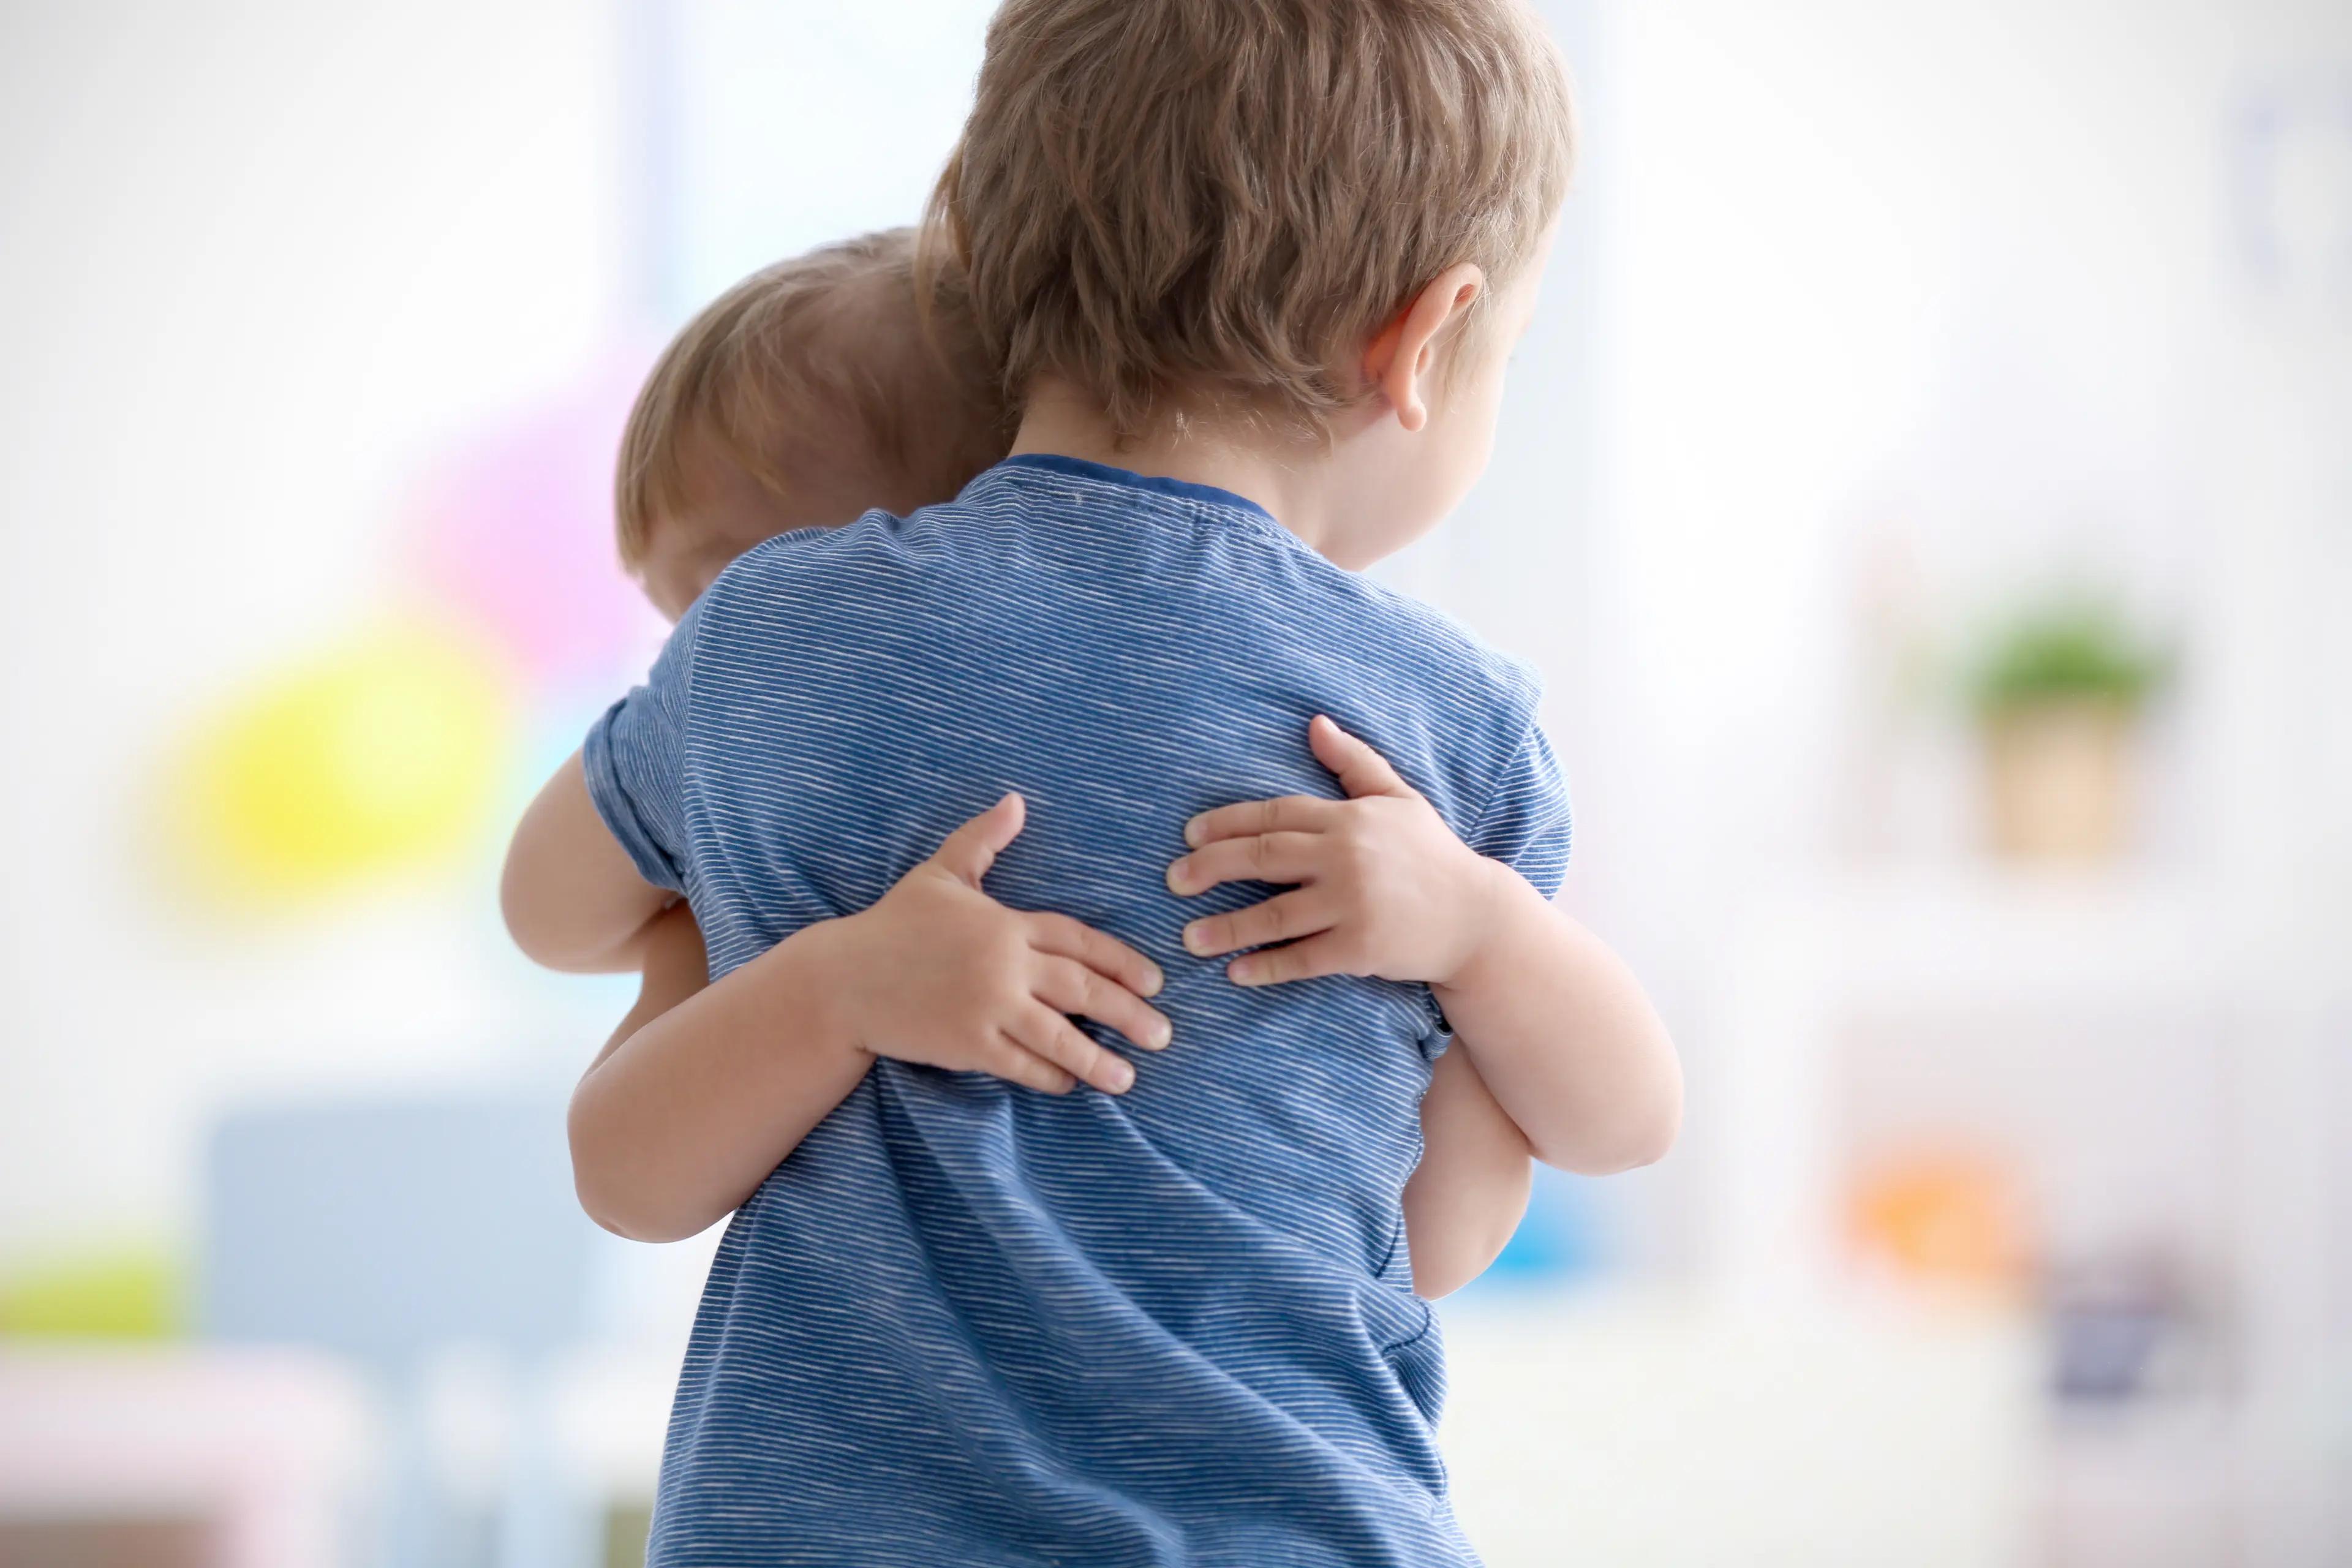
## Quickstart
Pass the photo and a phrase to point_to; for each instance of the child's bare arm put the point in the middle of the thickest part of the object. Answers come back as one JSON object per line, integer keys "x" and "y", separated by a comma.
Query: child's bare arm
{"x": 1470, "y": 1190}
{"x": 1555, "y": 1025}
{"x": 572, "y": 898}
{"x": 1564, "y": 1036}
{"x": 704, "y": 1091}
{"x": 675, "y": 968}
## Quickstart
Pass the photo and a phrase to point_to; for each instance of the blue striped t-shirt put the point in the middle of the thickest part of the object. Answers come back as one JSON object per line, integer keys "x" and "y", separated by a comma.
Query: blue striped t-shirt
{"x": 966, "y": 1323}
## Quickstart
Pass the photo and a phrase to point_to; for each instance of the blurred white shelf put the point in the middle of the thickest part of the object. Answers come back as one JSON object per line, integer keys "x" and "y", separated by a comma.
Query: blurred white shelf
{"x": 2151, "y": 1484}
{"x": 1664, "y": 1430}
{"x": 1968, "y": 939}
{"x": 1939, "y": 945}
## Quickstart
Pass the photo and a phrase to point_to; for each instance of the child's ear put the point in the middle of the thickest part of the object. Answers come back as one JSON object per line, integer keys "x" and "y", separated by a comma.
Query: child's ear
{"x": 1401, "y": 357}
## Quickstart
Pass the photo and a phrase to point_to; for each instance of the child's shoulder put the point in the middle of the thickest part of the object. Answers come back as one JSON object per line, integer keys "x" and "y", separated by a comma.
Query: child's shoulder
{"x": 805, "y": 562}
{"x": 1460, "y": 670}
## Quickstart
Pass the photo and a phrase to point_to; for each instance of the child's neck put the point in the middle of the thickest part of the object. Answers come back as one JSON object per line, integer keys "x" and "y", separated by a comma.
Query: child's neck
{"x": 1292, "y": 479}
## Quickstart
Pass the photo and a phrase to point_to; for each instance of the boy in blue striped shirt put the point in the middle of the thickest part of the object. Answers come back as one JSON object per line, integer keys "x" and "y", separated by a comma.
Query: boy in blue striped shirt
{"x": 890, "y": 402}
{"x": 1249, "y": 270}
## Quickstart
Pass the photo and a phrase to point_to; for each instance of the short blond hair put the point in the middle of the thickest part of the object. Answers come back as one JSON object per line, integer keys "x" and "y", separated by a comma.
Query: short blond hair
{"x": 1231, "y": 197}
{"x": 832, "y": 362}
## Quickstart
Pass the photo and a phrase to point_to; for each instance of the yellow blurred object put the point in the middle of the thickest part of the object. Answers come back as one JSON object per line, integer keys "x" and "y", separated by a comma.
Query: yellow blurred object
{"x": 383, "y": 755}
{"x": 1953, "y": 1219}
{"x": 136, "y": 1293}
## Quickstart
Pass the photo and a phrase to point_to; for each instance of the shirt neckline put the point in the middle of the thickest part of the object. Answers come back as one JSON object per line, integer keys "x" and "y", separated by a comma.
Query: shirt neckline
{"x": 1128, "y": 478}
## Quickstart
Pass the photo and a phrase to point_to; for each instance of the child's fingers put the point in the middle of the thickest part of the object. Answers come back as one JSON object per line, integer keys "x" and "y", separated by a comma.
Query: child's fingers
{"x": 1056, "y": 1039}
{"x": 1279, "y": 919}
{"x": 1106, "y": 955}
{"x": 1266, "y": 858}
{"x": 1284, "y": 814}
{"x": 1361, "y": 770}
{"x": 1014, "y": 1062}
{"x": 1316, "y": 955}
{"x": 968, "y": 852}
{"x": 1068, "y": 987}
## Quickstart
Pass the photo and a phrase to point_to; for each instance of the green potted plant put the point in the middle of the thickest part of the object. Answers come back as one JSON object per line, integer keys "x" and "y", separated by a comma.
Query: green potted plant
{"x": 2058, "y": 694}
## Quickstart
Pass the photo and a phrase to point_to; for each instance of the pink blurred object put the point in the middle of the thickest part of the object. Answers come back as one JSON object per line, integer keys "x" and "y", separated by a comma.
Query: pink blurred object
{"x": 516, "y": 533}
{"x": 269, "y": 1449}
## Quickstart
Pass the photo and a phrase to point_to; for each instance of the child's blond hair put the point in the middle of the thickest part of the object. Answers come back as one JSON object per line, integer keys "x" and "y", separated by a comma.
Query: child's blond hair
{"x": 831, "y": 363}
{"x": 1230, "y": 198}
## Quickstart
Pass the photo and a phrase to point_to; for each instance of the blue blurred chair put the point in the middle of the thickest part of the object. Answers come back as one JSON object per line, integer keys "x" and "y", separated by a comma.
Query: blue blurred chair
{"x": 387, "y": 1231}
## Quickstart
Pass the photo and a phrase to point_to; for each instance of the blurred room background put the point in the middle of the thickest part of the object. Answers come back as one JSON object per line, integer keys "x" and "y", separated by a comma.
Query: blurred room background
{"x": 1928, "y": 490}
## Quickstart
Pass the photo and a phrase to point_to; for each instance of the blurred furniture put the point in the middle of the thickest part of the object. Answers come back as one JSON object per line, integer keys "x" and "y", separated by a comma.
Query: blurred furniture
{"x": 176, "y": 1458}
{"x": 1674, "y": 1432}
{"x": 392, "y": 1233}
{"x": 2159, "y": 1053}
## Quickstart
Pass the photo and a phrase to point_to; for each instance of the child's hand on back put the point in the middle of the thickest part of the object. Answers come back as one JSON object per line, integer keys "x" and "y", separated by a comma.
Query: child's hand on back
{"x": 939, "y": 973}
{"x": 1383, "y": 887}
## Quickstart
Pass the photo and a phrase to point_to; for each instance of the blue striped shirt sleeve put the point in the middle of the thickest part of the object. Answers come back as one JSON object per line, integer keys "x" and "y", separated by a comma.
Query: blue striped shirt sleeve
{"x": 634, "y": 759}
{"x": 1527, "y": 823}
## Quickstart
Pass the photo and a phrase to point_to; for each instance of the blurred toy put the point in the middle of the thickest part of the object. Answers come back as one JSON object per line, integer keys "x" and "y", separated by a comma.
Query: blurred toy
{"x": 516, "y": 536}
{"x": 1950, "y": 1218}
{"x": 392, "y": 751}
{"x": 122, "y": 1293}
{"x": 2126, "y": 1324}
{"x": 374, "y": 757}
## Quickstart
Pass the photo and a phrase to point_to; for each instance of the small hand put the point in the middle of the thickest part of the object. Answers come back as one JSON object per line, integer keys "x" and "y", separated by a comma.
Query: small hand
{"x": 1383, "y": 887}
{"x": 939, "y": 973}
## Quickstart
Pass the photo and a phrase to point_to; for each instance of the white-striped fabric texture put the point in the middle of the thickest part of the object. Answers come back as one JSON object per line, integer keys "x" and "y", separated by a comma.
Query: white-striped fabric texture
{"x": 965, "y": 1323}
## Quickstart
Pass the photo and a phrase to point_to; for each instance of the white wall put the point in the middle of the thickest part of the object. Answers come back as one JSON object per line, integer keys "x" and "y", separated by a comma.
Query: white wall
{"x": 266, "y": 262}
{"x": 1968, "y": 275}
{"x": 260, "y": 258}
